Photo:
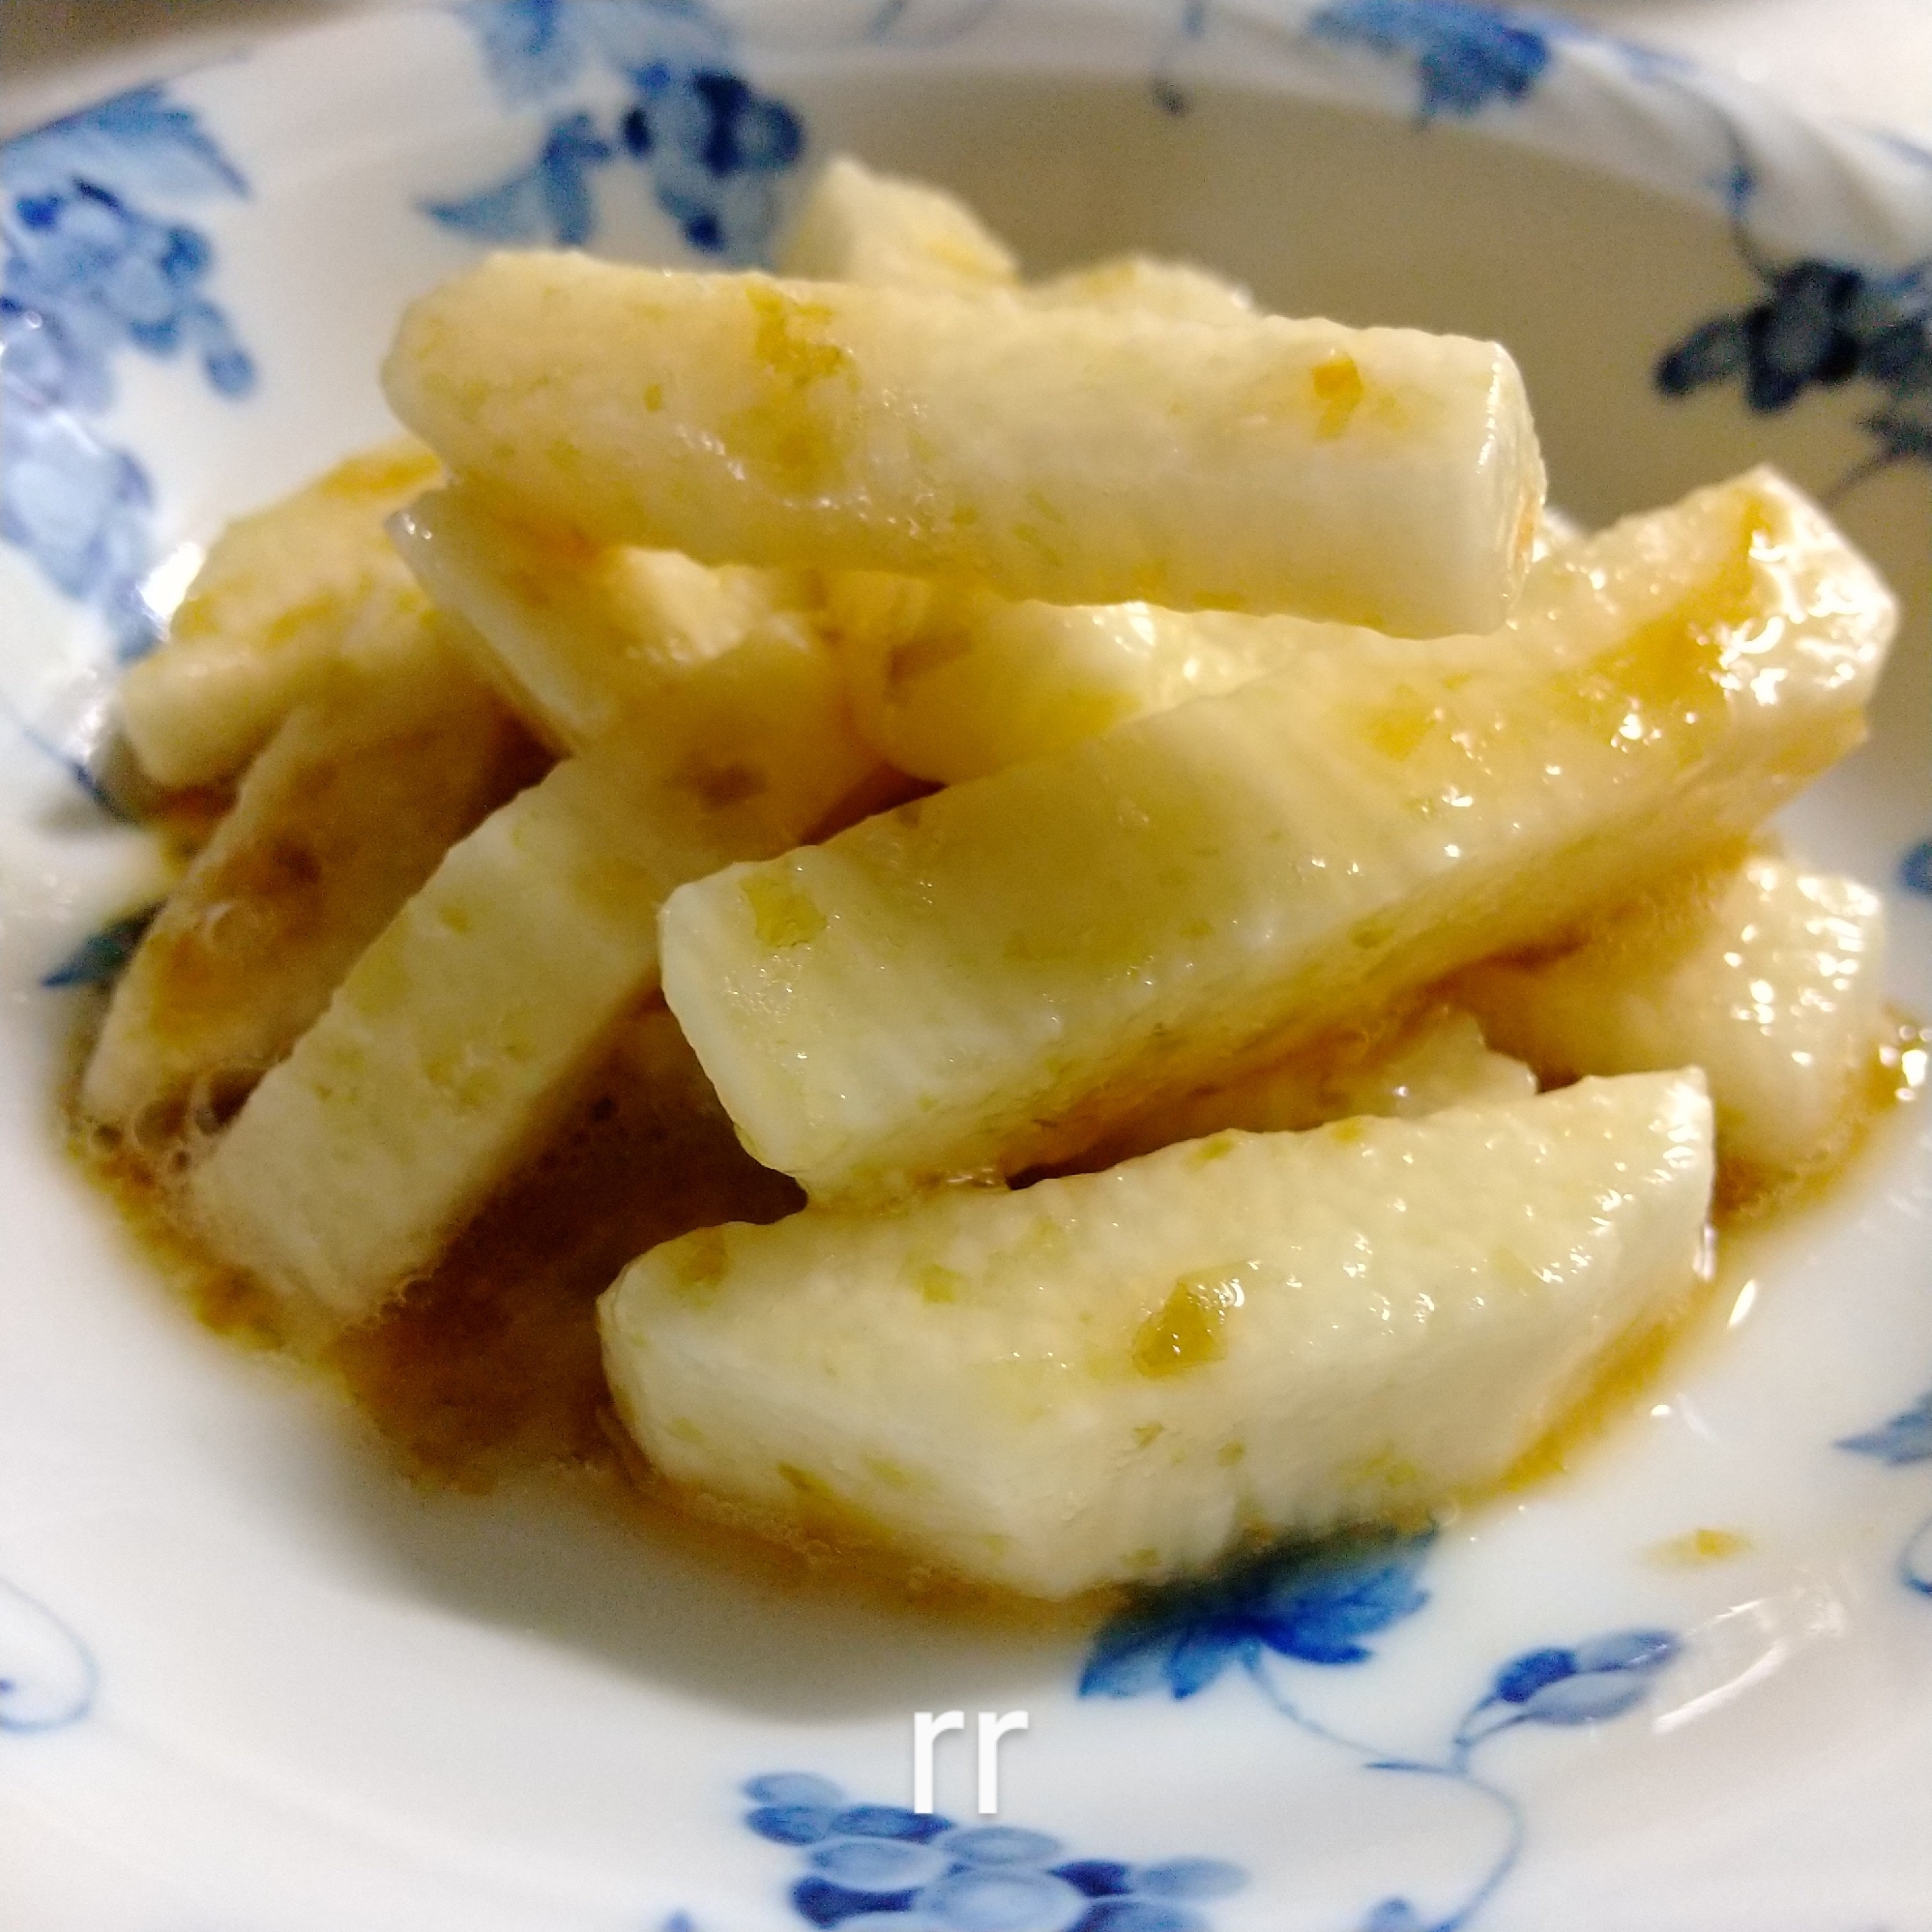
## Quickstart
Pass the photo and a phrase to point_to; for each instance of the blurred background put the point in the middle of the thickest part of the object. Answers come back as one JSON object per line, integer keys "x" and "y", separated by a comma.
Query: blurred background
{"x": 1868, "y": 61}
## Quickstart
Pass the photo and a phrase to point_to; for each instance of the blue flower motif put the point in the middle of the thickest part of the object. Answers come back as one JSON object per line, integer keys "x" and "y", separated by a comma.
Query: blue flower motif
{"x": 1466, "y": 56}
{"x": 136, "y": 142}
{"x": 47, "y": 1676}
{"x": 1914, "y": 870}
{"x": 99, "y": 958}
{"x": 712, "y": 145}
{"x": 1313, "y": 1602}
{"x": 882, "y": 1868}
{"x": 1819, "y": 324}
{"x": 90, "y": 274}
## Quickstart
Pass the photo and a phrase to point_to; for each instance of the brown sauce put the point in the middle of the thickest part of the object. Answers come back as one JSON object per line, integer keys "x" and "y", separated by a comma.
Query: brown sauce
{"x": 489, "y": 1368}
{"x": 491, "y": 1363}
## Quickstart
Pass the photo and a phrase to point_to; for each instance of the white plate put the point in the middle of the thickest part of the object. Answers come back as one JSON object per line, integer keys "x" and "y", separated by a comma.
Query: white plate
{"x": 248, "y": 1679}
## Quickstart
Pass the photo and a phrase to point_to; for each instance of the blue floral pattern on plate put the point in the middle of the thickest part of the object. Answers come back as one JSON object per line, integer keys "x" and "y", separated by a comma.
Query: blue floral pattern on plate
{"x": 1315, "y": 1603}
{"x": 90, "y": 273}
{"x": 1312, "y": 1602}
{"x": 1819, "y": 324}
{"x": 1465, "y": 56}
{"x": 712, "y": 145}
{"x": 48, "y": 1675}
{"x": 882, "y": 1868}
{"x": 1906, "y": 1439}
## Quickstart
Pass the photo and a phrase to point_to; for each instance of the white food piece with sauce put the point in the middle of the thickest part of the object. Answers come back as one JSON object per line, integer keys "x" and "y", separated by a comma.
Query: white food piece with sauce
{"x": 454, "y": 1047}
{"x": 1404, "y": 1069}
{"x": 991, "y": 978}
{"x": 266, "y": 615}
{"x": 576, "y": 637}
{"x": 1124, "y": 1375}
{"x": 1176, "y": 289}
{"x": 861, "y": 226}
{"x": 1768, "y": 977}
{"x": 398, "y": 754}
{"x": 1076, "y": 453}
{"x": 950, "y": 682}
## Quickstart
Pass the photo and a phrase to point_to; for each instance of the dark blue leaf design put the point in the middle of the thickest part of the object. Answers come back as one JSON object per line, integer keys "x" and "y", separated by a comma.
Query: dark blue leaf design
{"x": 91, "y": 274}
{"x": 1097, "y": 1878}
{"x": 820, "y": 1902}
{"x": 1519, "y": 1679}
{"x": 1906, "y": 1438}
{"x": 1583, "y": 1684}
{"x": 1310, "y": 1601}
{"x": 791, "y": 1824}
{"x": 99, "y": 959}
{"x": 1466, "y": 56}
{"x": 711, "y": 144}
{"x": 1819, "y": 325}
{"x": 1914, "y": 870}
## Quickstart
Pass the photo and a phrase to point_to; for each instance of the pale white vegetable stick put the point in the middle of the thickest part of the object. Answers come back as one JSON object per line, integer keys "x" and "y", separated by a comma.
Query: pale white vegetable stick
{"x": 576, "y": 635}
{"x": 1768, "y": 977}
{"x": 265, "y": 616}
{"x": 1176, "y": 289}
{"x": 877, "y": 229}
{"x": 993, "y": 977}
{"x": 949, "y": 682}
{"x": 1077, "y": 455}
{"x": 1407, "y": 1067}
{"x": 464, "y": 1032}
{"x": 1120, "y": 1376}
{"x": 861, "y": 226}
{"x": 398, "y": 753}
